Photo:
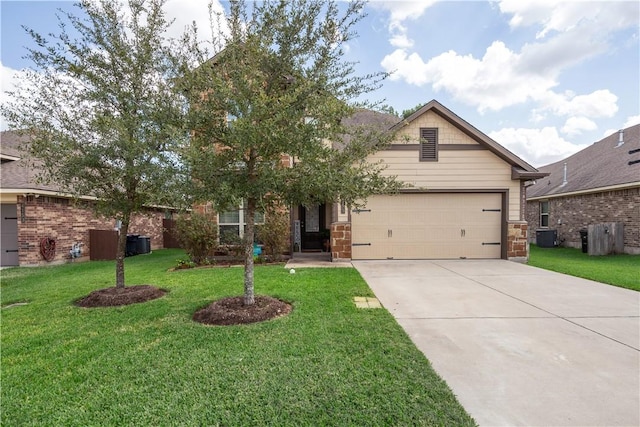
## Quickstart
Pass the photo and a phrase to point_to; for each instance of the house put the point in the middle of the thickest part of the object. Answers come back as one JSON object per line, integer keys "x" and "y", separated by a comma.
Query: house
{"x": 34, "y": 213}
{"x": 600, "y": 184}
{"x": 464, "y": 198}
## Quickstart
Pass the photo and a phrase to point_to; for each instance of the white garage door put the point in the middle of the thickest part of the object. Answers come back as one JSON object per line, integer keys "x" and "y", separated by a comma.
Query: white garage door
{"x": 428, "y": 226}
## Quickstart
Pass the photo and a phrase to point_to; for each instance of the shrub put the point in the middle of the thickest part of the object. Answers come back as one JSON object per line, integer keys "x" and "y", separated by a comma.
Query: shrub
{"x": 198, "y": 235}
{"x": 274, "y": 234}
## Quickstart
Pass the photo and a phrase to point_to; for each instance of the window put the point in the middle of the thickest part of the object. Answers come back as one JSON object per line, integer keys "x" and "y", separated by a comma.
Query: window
{"x": 232, "y": 224}
{"x": 544, "y": 214}
{"x": 428, "y": 144}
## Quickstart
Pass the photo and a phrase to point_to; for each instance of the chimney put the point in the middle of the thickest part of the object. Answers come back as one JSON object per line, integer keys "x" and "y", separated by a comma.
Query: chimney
{"x": 564, "y": 176}
{"x": 620, "y": 137}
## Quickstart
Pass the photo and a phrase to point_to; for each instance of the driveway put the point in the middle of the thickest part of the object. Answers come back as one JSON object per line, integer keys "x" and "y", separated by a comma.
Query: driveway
{"x": 518, "y": 345}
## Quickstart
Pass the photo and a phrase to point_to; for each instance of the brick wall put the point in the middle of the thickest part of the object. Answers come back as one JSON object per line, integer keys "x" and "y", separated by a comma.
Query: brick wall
{"x": 570, "y": 214}
{"x": 69, "y": 222}
{"x": 341, "y": 241}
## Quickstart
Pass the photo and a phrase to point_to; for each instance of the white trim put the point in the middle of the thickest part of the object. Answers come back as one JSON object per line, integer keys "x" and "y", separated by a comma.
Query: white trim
{"x": 9, "y": 157}
{"x": 33, "y": 191}
{"x": 628, "y": 185}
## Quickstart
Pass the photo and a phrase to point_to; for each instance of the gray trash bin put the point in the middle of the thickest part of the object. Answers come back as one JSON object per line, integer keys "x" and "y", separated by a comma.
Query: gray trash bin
{"x": 144, "y": 244}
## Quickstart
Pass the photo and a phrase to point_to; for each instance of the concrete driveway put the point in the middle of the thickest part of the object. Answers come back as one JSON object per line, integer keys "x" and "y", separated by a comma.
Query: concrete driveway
{"x": 518, "y": 345}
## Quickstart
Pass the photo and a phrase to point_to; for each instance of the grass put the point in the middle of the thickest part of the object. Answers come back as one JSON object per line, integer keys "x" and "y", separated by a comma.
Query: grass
{"x": 327, "y": 363}
{"x": 617, "y": 270}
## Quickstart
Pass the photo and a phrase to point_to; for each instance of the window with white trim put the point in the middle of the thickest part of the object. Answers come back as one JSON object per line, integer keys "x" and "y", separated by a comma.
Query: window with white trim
{"x": 232, "y": 224}
{"x": 544, "y": 213}
{"x": 428, "y": 144}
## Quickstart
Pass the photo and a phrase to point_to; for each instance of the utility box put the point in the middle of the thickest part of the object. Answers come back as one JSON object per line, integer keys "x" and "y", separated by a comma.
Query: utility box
{"x": 546, "y": 238}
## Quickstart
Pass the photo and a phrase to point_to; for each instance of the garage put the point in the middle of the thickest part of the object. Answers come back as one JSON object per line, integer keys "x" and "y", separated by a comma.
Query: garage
{"x": 429, "y": 226}
{"x": 9, "y": 235}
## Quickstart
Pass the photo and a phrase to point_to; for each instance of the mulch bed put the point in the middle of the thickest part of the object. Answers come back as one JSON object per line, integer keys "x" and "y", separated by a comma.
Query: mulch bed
{"x": 232, "y": 311}
{"x": 112, "y": 297}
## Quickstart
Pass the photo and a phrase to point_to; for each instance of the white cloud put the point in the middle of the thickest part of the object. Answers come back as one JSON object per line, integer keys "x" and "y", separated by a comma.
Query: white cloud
{"x": 537, "y": 146}
{"x": 186, "y": 12}
{"x": 600, "y": 103}
{"x": 399, "y": 12}
{"x": 575, "y": 125}
{"x": 8, "y": 79}
{"x": 632, "y": 121}
{"x": 572, "y": 31}
{"x": 600, "y": 17}
{"x": 490, "y": 83}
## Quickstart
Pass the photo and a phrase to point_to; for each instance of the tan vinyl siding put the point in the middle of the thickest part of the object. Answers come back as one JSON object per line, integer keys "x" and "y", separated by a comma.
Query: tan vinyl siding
{"x": 447, "y": 132}
{"x": 454, "y": 170}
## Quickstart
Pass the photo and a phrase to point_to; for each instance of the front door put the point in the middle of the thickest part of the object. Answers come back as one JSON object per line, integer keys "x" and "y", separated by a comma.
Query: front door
{"x": 312, "y": 226}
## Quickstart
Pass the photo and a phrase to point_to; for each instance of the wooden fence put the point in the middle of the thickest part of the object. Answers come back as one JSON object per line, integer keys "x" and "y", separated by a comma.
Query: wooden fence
{"x": 606, "y": 238}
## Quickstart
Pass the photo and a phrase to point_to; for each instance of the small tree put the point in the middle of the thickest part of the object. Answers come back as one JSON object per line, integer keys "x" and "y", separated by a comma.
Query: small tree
{"x": 100, "y": 109}
{"x": 198, "y": 235}
{"x": 274, "y": 233}
{"x": 278, "y": 86}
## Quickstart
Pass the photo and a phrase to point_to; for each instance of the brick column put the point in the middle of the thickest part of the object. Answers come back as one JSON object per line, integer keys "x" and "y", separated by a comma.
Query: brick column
{"x": 517, "y": 243}
{"x": 341, "y": 241}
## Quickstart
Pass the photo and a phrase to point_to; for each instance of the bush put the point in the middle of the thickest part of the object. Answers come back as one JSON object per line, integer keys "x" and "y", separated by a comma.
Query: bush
{"x": 198, "y": 235}
{"x": 274, "y": 234}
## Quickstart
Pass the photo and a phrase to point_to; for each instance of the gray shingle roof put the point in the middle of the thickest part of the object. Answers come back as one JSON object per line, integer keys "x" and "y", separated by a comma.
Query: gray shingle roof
{"x": 18, "y": 174}
{"x": 602, "y": 164}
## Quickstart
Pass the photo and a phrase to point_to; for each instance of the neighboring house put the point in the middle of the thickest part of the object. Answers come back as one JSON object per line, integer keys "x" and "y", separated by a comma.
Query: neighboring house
{"x": 600, "y": 184}
{"x": 464, "y": 198}
{"x": 32, "y": 212}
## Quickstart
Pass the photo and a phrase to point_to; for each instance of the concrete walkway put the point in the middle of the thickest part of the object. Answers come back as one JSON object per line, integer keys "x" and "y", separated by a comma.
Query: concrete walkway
{"x": 518, "y": 345}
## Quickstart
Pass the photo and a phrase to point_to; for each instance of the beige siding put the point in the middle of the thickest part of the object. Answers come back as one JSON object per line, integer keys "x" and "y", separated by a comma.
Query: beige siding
{"x": 447, "y": 132}
{"x": 455, "y": 169}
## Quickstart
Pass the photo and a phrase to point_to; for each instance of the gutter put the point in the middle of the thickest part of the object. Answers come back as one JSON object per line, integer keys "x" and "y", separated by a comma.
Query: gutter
{"x": 588, "y": 191}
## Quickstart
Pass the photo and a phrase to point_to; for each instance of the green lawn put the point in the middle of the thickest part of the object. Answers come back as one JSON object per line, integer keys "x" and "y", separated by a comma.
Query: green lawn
{"x": 327, "y": 363}
{"x": 617, "y": 270}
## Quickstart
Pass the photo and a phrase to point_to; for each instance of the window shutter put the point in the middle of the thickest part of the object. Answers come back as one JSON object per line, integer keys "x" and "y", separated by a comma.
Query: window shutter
{"x": 428, "y": 144}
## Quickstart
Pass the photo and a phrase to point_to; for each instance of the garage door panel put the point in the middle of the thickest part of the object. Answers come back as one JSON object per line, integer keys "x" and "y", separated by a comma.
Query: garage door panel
{"x": 429, "y": 226}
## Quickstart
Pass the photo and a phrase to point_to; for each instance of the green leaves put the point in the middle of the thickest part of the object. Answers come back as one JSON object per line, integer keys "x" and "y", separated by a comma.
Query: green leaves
{"x": 282, "y": 78}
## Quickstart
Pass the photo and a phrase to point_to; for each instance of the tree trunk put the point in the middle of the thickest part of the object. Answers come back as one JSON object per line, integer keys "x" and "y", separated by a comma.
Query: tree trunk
{"x": 249, "y": 298}
{"x": 120, "y": 252}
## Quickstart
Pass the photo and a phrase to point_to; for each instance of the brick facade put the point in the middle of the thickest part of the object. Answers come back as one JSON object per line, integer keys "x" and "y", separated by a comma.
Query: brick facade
{"x": 69, "y": 222}
{"x": 570, "y": 214}
{"x": 341, "y": 241}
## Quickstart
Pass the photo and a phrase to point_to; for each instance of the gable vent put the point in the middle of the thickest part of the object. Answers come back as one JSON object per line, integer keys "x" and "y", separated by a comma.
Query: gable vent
{"x": 428, "y": 144}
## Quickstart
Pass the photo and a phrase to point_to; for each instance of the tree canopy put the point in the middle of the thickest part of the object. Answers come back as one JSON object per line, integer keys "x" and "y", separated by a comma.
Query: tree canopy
{"x": 100, "y": 109}
{"x": 270, "y": 108}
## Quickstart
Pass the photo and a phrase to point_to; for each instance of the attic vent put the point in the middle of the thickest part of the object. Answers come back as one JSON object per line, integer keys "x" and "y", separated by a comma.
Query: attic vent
{"x": 620, "y": 137}
{"x": 428, "y": 144}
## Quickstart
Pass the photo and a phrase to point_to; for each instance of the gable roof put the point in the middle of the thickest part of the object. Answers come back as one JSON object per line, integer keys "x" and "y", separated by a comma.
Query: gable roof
{"x": 520, "y": 169}
{"x": 17, "y": 176}
{"x": 601, "y": 165}
{"x": 375, "y": 120}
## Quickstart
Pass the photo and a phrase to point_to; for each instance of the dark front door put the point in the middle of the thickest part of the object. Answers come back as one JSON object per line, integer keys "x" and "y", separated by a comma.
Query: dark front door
{"x": 312, "y": 226}
{"x": 9, "y": 235}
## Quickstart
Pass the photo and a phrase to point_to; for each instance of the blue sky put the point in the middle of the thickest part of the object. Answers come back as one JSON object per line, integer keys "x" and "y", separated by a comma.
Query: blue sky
{"x": 544, "y": 78}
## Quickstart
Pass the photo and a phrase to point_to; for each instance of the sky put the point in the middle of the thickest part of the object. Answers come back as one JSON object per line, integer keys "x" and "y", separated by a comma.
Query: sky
{"x": 544, "y": 78}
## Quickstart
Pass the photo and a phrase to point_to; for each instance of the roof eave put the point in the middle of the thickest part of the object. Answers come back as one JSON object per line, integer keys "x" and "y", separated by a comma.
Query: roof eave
{"x": 517, "y": 173}
{"x": 586, "y": 191}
